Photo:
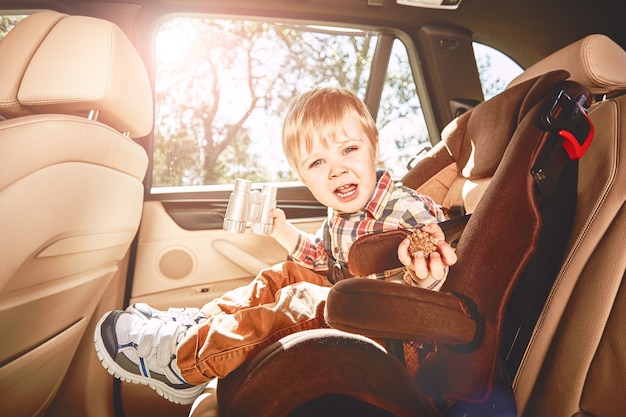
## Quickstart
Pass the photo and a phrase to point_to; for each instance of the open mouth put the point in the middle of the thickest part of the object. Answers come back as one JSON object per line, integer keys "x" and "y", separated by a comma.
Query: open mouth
{"x": 346, "y": 191}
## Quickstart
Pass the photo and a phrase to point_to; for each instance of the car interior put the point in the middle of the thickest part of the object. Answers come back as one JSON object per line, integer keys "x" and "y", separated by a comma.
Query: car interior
{"x": 105, "y": 200}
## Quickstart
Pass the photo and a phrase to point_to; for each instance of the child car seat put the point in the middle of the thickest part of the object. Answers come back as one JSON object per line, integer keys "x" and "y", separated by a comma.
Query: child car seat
{"x": 552, "y": 377}
{"x": 478, "y": 307}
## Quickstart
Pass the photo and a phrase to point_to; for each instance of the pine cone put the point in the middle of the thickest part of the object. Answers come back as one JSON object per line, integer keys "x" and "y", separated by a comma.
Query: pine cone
{"x": 421, "y": 241}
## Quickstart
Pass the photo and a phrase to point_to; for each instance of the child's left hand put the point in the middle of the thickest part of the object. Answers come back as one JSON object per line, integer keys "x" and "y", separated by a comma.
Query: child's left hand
{"x": 428, "y": 272}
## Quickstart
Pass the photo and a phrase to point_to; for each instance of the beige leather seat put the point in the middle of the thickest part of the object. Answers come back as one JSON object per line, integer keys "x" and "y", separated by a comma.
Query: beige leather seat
{"x": 73, "y": 92}
{"x": 575, "y": 363}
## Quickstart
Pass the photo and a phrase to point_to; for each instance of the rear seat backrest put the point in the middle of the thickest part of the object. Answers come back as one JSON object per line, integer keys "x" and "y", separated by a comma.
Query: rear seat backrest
{"x": 575, "y": 363}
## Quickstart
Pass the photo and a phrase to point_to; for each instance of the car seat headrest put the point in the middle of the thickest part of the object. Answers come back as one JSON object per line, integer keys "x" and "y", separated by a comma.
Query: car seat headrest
{"x": 55, "y": 63}
{"x": 596, "y": 62}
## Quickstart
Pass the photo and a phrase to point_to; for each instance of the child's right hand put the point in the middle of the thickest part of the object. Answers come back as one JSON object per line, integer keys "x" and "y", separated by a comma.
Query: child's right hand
{"x": 279, "y": 222}
{"x": 284, "y": 232}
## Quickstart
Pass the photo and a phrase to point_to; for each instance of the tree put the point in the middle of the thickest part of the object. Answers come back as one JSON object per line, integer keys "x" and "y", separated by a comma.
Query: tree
{"x": 241, "y": 74}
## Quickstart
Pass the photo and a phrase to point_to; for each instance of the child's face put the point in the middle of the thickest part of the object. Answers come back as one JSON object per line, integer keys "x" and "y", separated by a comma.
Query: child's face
{"x": 341, "y": 175}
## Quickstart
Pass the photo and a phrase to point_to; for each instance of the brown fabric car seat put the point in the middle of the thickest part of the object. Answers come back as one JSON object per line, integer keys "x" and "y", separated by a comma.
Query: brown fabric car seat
{"x": 490, "y": 266}
{"x": 458, "y": 169}
{"x": 571, "y": 362}
{"x": 351, "y": 302}
{"x": 73, "y": 92}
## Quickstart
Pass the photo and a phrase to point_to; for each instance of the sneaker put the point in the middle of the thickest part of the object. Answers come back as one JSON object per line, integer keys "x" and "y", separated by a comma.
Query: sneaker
{"x": 184, "y": 316}
{"x": 141, "y": 348}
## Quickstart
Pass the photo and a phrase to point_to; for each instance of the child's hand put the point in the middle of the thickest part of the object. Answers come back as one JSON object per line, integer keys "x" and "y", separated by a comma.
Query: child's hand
{"x": 428, "y": 272}
{"x": 284, "y": 232}
{"x": 279, "y": 222}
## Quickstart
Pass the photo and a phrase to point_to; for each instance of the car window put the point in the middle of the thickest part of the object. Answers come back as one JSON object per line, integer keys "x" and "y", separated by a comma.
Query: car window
{"x": 223, "y": 86}
{"x": 7, "y": 22}
{"x": 495, "y": 68}
{"x": 401, "y": 123}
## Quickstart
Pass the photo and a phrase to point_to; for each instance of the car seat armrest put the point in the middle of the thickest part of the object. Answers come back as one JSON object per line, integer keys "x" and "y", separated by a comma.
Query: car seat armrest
{"x": 378, "y": 252}
{"x": 373, "y": 308}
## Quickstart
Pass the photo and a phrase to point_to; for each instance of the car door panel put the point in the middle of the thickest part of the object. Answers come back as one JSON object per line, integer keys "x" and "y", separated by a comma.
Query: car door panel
{"x": 188, "y": 266}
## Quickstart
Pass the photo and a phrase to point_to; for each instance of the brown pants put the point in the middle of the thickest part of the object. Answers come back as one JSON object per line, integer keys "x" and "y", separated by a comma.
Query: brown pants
{"x": 281, "y": 300}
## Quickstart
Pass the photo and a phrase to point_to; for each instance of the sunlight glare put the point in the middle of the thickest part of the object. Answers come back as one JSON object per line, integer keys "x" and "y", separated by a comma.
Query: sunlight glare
{"x": 173, "y": 41}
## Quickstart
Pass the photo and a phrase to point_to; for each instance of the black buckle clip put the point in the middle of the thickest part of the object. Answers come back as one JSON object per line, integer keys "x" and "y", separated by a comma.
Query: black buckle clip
{"x": 568, "y": 119}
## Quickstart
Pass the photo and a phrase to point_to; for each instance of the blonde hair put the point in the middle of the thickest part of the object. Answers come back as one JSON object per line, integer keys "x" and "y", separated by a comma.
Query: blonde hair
{"x": 317, "y": 115}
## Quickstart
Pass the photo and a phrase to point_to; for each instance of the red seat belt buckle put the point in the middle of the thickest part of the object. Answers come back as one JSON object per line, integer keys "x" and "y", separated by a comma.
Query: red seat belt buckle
{"x": 574, "y": 149}
{"x": 569, "y": 120}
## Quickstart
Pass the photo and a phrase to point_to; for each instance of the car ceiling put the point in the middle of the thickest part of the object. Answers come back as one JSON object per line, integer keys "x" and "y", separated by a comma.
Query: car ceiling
{"x": 526, "y": 30}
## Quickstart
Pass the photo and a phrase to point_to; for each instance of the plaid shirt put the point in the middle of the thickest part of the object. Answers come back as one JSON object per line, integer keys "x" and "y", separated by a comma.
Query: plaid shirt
{"x": 391, "y": 207}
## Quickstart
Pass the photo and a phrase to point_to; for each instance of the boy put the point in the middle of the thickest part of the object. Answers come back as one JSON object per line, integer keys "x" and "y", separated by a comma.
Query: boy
{"x": 331, "y": 142}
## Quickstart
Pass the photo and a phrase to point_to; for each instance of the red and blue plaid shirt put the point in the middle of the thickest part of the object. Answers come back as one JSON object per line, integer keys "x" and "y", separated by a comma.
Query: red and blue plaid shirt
{"x": 391, "y": 207}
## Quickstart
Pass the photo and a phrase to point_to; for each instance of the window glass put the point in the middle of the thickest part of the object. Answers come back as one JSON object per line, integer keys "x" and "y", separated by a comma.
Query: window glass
{"x": 223, "y": 86}
{"x": 401, "y": 122}
{"x": 495, "y": 68}
{"x": 7, "y": 22}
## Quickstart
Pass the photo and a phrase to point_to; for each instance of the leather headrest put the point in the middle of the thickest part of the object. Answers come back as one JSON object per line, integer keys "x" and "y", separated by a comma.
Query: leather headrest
{"x": 55, "y": 63}
{"x": 595, "y": 61}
